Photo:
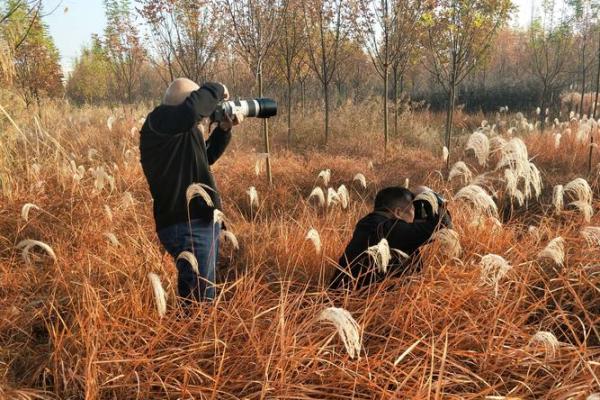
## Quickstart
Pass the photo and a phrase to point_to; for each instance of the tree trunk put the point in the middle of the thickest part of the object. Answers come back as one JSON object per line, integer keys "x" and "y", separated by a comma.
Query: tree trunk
{"x": 582, "y": 77}
{"x": 543, "y": 108}
{"x": 597, "y": 78}
{"x": 265, "y": 128}
{"x": 289, "y": 111}
{"x": 326, "y": 97}
{"x": 395, "y": 72}
{"x": 449, "y": 117}
{"x": 385, "y": 110}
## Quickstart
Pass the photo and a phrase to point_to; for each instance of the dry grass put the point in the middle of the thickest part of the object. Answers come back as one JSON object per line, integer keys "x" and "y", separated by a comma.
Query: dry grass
{"x": 87, "y": 326}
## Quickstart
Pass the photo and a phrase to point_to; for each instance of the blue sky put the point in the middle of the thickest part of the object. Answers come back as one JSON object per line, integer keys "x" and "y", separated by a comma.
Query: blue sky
{"x": 73, "y": 28}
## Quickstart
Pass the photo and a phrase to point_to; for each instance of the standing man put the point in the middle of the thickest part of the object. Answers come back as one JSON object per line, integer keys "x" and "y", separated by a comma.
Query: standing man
{"x": 174, "y": 155}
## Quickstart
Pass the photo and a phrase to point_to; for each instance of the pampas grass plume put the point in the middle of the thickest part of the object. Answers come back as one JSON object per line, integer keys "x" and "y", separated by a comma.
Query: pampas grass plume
{"x": 344, "y": 196}
{"x": 226, "y": 234}
{"x": 332, "y": 197}
{"x": 557, "y": 197}
{"x": 493, "y": 269}
{"x": 585, "y": 208}
{"x": 160, "y": 296}
{"x": 25, "y": 210}
{"x": 591, "y": 234}
{"x": 381, "y": 255}
{"x": 318, "y": 193}
{"x": 361, "y": 179}
{"x": 445, "y": 153}
{"x": 191, "y": 259}
{"x": 112, "y": 239}
{"x": 546, "y": 339}
{"x": 325, "y": 175}
{"x": 449, "y": 242}
{"x": 460, "y": 169}
{"x": 555, "y": 251}
{"x": 346, "y": 326}
{"x": 431, "y": 198}
{"x": 199, "y": 190}
{"x": 478, "y": 197}
{"x": 480, "y": 144}
{"x": 580, "y": 189}
{"x": 27, "y": 244}
{"x": 253, "y": 195}
{"x": 315, "y": 238}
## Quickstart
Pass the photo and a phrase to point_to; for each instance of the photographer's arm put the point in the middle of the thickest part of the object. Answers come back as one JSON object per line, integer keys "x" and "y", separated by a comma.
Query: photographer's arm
{"x": 217, "y": 143}
{"x": 170, "y": 120}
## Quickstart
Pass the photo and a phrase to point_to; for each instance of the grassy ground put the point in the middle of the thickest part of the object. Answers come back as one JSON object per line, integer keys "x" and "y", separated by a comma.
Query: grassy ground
{"x": 86, "y": 325}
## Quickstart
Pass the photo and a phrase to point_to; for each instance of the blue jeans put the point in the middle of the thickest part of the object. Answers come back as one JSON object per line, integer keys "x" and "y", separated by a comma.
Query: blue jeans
{"x": 203, "y": 241}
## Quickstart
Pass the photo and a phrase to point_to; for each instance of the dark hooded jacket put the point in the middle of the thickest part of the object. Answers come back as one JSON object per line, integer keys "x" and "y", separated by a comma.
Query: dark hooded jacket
{"x": 174, "y": 155}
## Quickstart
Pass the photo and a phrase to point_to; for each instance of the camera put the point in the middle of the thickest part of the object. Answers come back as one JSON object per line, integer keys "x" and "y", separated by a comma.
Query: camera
{"x": 259, "y": 108}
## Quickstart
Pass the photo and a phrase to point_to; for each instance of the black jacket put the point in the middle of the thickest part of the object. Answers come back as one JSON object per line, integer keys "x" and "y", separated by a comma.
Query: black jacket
{"x": 174, "y": 155}
{"x": 368, "y": 232}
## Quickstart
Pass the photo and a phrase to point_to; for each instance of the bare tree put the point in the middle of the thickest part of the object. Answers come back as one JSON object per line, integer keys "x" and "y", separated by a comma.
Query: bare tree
{"x": 459, "y": 34}
{"x": 390, "y": 31}
{"x": 255, "y": 24}
{"x": 289, "y": 51}
{"x": 187, "y": 35}
{"x": 327, "y": 27}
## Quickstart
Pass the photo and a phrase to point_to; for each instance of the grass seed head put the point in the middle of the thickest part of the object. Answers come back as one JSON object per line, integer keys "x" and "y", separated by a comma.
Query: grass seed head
{"x": 160, "y": 296}
{"x": 112, "y": 239}
{"x": 555, "y": 251}
{"x": 480, "y": 144}
{"x": 361, "y": 179}
{"x": 558, "y": 198}
{"x": 27, "y": 244}
{"x": 315, "y": 238}
{"x": 460, "y": 169}
{"x": 478, "y": 197}
{"x": 325, "y": 175}
{"x": 445, "y": 153}
{"x": 547, "y": 340}
{"x": 449, "y": 242}
{"x": 381, "y": 255}
{"x": 218, "y": 217}
{"x": 333, "y": 197}
{"x": 591, "y": 234}
{"x": 580, "y": 189}
{"x": 253, "y": 196}
{"x": 347, "y": 328}
{"x": 198, "y": 190}
{"x": 344, "y": 196}
{"x": 493, "y": 269}
{"x": 585, "y": 208}
{"x": 191, "y": 259}
{"x": 25, "y": 210}
{"x": 318, "y": 193}
{"x": 230, "y": 236}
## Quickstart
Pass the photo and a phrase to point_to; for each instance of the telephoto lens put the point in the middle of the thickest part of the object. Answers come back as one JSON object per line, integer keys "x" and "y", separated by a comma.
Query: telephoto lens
{"x": 258, "y": 108}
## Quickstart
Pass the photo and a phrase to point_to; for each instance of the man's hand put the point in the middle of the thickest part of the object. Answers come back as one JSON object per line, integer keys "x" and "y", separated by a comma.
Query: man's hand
{"x": 230, "y": 123}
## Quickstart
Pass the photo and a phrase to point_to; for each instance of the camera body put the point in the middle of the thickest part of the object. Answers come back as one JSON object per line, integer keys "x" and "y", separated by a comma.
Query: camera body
{"x": 423, "y": 208}
{"x": 259, "y": 108}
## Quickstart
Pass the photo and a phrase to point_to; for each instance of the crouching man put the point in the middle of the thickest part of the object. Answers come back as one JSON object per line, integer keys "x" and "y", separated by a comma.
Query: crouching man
{"x": 174, "y": 154}
{"x": 393, "y": 218}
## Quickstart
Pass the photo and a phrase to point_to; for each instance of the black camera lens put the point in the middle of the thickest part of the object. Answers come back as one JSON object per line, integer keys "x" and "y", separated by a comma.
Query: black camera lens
{"x": 266, "y": 108}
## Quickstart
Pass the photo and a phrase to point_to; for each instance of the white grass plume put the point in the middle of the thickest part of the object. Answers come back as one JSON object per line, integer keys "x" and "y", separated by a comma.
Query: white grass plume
{"x": 558, "y": 197}
{"x": 315, "y": 238}
{"x": 497, "y": 143}
{"x": 460, "y": 169}
{"x": 557, "y": 137}
{"x": 478, "y": 197}
{"x": 218, "y": 217}
{"x": 445, "y": 153}
{"x": 344, "y": 196}
{"x": 26, "y": 209}
{"x": 346, "y": 326}
{"x": 27, "y": 244}
{"x": 406, "y": 183}
{"x": 593, "y": 396}
{"x": 198, "y": 190}
{"x": 260, "y": 162}
{"x": 325, "y": 175}
{"x": 381, "y": 255}
{"x": 160, "y": 296}
{"x": 555, "y": 251}
{"x": 112, "y": 239}
{"x": 591, "y": 234}
{"x": 547, "y": 340}
{"x": 449, "y": 242}
{"x": 253, "y": 196}
{"x": 318, "y": 193}
{"x": 127, "y": 200}
{"x": 230, "y": 236}
{"x": 431, "y": 198}
{"x": 480, "y": 144}
{"x": 513, "y": 155}
{"x": 332, "y": 197}
{"x": 191, "y": 259}
{"x": 493, "y": 269}
{"x": 580, "y": 189}
{"x": 585, "y": 208}
{"x": 109, "y": 122}
{"x": 361, "y": 179}
{"x": 512, "y": 182}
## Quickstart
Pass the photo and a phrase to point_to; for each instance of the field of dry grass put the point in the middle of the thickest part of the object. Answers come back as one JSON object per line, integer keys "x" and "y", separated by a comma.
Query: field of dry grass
{"x": 85, "y": 325}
